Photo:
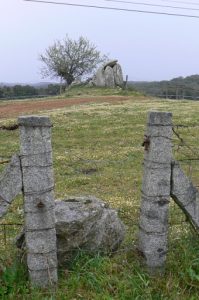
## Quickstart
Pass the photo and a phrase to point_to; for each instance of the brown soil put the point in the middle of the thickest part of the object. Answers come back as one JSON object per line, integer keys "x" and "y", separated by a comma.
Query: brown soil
{"x": 14, "y": 109}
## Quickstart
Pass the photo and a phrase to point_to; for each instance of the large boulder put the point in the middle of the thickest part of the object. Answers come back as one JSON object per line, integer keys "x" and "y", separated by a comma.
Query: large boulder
{"x": 84, "y": 223}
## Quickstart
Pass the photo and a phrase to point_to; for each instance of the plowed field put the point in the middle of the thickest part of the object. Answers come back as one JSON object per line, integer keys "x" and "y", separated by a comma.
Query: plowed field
{"x": 16, "y": 108}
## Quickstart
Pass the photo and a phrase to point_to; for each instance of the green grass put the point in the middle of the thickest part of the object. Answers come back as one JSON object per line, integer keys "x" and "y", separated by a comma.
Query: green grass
{"x": 86, "y": 91}
{"x": 97, "y": 151}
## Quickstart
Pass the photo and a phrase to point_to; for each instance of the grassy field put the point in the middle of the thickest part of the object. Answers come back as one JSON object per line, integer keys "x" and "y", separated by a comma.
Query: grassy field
{"x": 97, "y": 151}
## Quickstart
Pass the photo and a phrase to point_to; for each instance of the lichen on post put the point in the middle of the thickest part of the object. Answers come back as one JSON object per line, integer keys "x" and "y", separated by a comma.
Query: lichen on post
{"x": 153, "y": 225}
{"x": 38, "y": 190}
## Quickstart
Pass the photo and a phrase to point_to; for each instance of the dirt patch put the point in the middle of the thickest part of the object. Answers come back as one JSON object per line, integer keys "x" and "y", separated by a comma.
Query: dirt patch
{"x": 14, "y": 109}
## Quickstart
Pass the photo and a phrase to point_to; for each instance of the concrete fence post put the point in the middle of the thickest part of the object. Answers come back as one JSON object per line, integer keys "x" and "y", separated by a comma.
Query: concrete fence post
{"x": 38, "y": 190}
{"x": 185, "y": 195}
{"x": 10, "y": 184}
{"x": 153, "y": 225}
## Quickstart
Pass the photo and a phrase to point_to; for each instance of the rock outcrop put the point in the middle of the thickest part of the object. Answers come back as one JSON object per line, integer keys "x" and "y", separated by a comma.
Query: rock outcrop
{"x": 84, "y": 223}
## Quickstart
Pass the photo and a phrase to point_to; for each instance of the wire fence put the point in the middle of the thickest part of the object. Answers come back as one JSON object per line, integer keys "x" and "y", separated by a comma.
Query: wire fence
{"x": 185, "y": 150}
{"x": 8, "y": 234}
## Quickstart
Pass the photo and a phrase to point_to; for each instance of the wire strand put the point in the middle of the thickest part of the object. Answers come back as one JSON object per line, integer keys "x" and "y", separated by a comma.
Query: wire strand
{"x": 152, "y": 4}
{"x": 181, "y": 2}
{"x": 114, "y": 8}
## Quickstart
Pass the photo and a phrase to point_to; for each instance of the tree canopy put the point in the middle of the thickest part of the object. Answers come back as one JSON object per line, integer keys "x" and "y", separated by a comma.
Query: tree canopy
{"x": 71, "y": 59}
{"x": 176, "y": 88}
{"x": 22, "y": 91}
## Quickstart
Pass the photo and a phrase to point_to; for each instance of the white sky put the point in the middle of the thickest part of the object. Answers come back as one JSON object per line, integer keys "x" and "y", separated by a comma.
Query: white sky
{"x": 149, "y": 47}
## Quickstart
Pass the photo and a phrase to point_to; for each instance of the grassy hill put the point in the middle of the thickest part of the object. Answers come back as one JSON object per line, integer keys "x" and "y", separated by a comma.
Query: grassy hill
{"x": 107, "y": 138}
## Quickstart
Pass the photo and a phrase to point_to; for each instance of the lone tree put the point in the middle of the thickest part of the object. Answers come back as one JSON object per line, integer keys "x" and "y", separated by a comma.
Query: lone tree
{"x": 71, "y": 59}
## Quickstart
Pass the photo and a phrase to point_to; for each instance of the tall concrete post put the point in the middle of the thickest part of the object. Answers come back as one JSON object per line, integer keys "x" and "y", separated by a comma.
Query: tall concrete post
{"x": 156, "y": 190}
{"x": 38, "y": 189}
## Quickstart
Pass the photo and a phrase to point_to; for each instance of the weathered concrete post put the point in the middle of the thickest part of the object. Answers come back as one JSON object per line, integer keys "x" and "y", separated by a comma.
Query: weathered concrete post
{"x": 38, "y": 189}
{"x": 185, "y": 195}
{"x": 156, "y": 190}
{"x": 10, "y": 184}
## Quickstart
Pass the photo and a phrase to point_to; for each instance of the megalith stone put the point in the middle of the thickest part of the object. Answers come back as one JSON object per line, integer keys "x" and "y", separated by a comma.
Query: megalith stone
{"x": 99, "y": 78}
{"x": 110, "y": 63}
{"x": 85, "y": 223}
{"x": 118, "y": 76}
{"x": 109, "y": 77}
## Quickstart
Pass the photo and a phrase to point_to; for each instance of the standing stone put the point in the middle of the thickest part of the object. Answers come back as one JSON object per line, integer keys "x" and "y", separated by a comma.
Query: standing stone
{"x": 38, "y": 189}
{"x": 99, "y": 78}
{"x": 156, "y": 190}
{"x": 109, "y": 77}
{"x": 118, "y": 76}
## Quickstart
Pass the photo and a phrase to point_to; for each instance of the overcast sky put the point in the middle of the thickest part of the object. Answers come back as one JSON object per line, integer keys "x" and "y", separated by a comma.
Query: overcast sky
{"x": 148, "y": 46}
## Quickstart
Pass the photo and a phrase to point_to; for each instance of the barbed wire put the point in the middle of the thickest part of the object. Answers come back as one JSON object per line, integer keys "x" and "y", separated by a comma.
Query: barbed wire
{"x": 186, "y": 149}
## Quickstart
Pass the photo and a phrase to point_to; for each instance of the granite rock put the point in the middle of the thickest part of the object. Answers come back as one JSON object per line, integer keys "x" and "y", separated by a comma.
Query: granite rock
{"x": 84, "y": 223}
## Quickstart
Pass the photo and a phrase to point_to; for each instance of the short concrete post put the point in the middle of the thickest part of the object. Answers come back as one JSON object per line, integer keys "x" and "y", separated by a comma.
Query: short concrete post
{"x": 156, "y": 190}
{"x": 38, "y": 189}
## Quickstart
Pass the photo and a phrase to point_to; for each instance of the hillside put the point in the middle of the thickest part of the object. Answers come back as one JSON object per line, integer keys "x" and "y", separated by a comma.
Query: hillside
{"x": 177, "y": 88}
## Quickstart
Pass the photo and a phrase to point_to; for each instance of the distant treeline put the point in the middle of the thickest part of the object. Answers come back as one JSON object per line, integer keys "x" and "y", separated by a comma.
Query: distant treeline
{"x": 23, "y": 91}
{"x": 177, "y": 88}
